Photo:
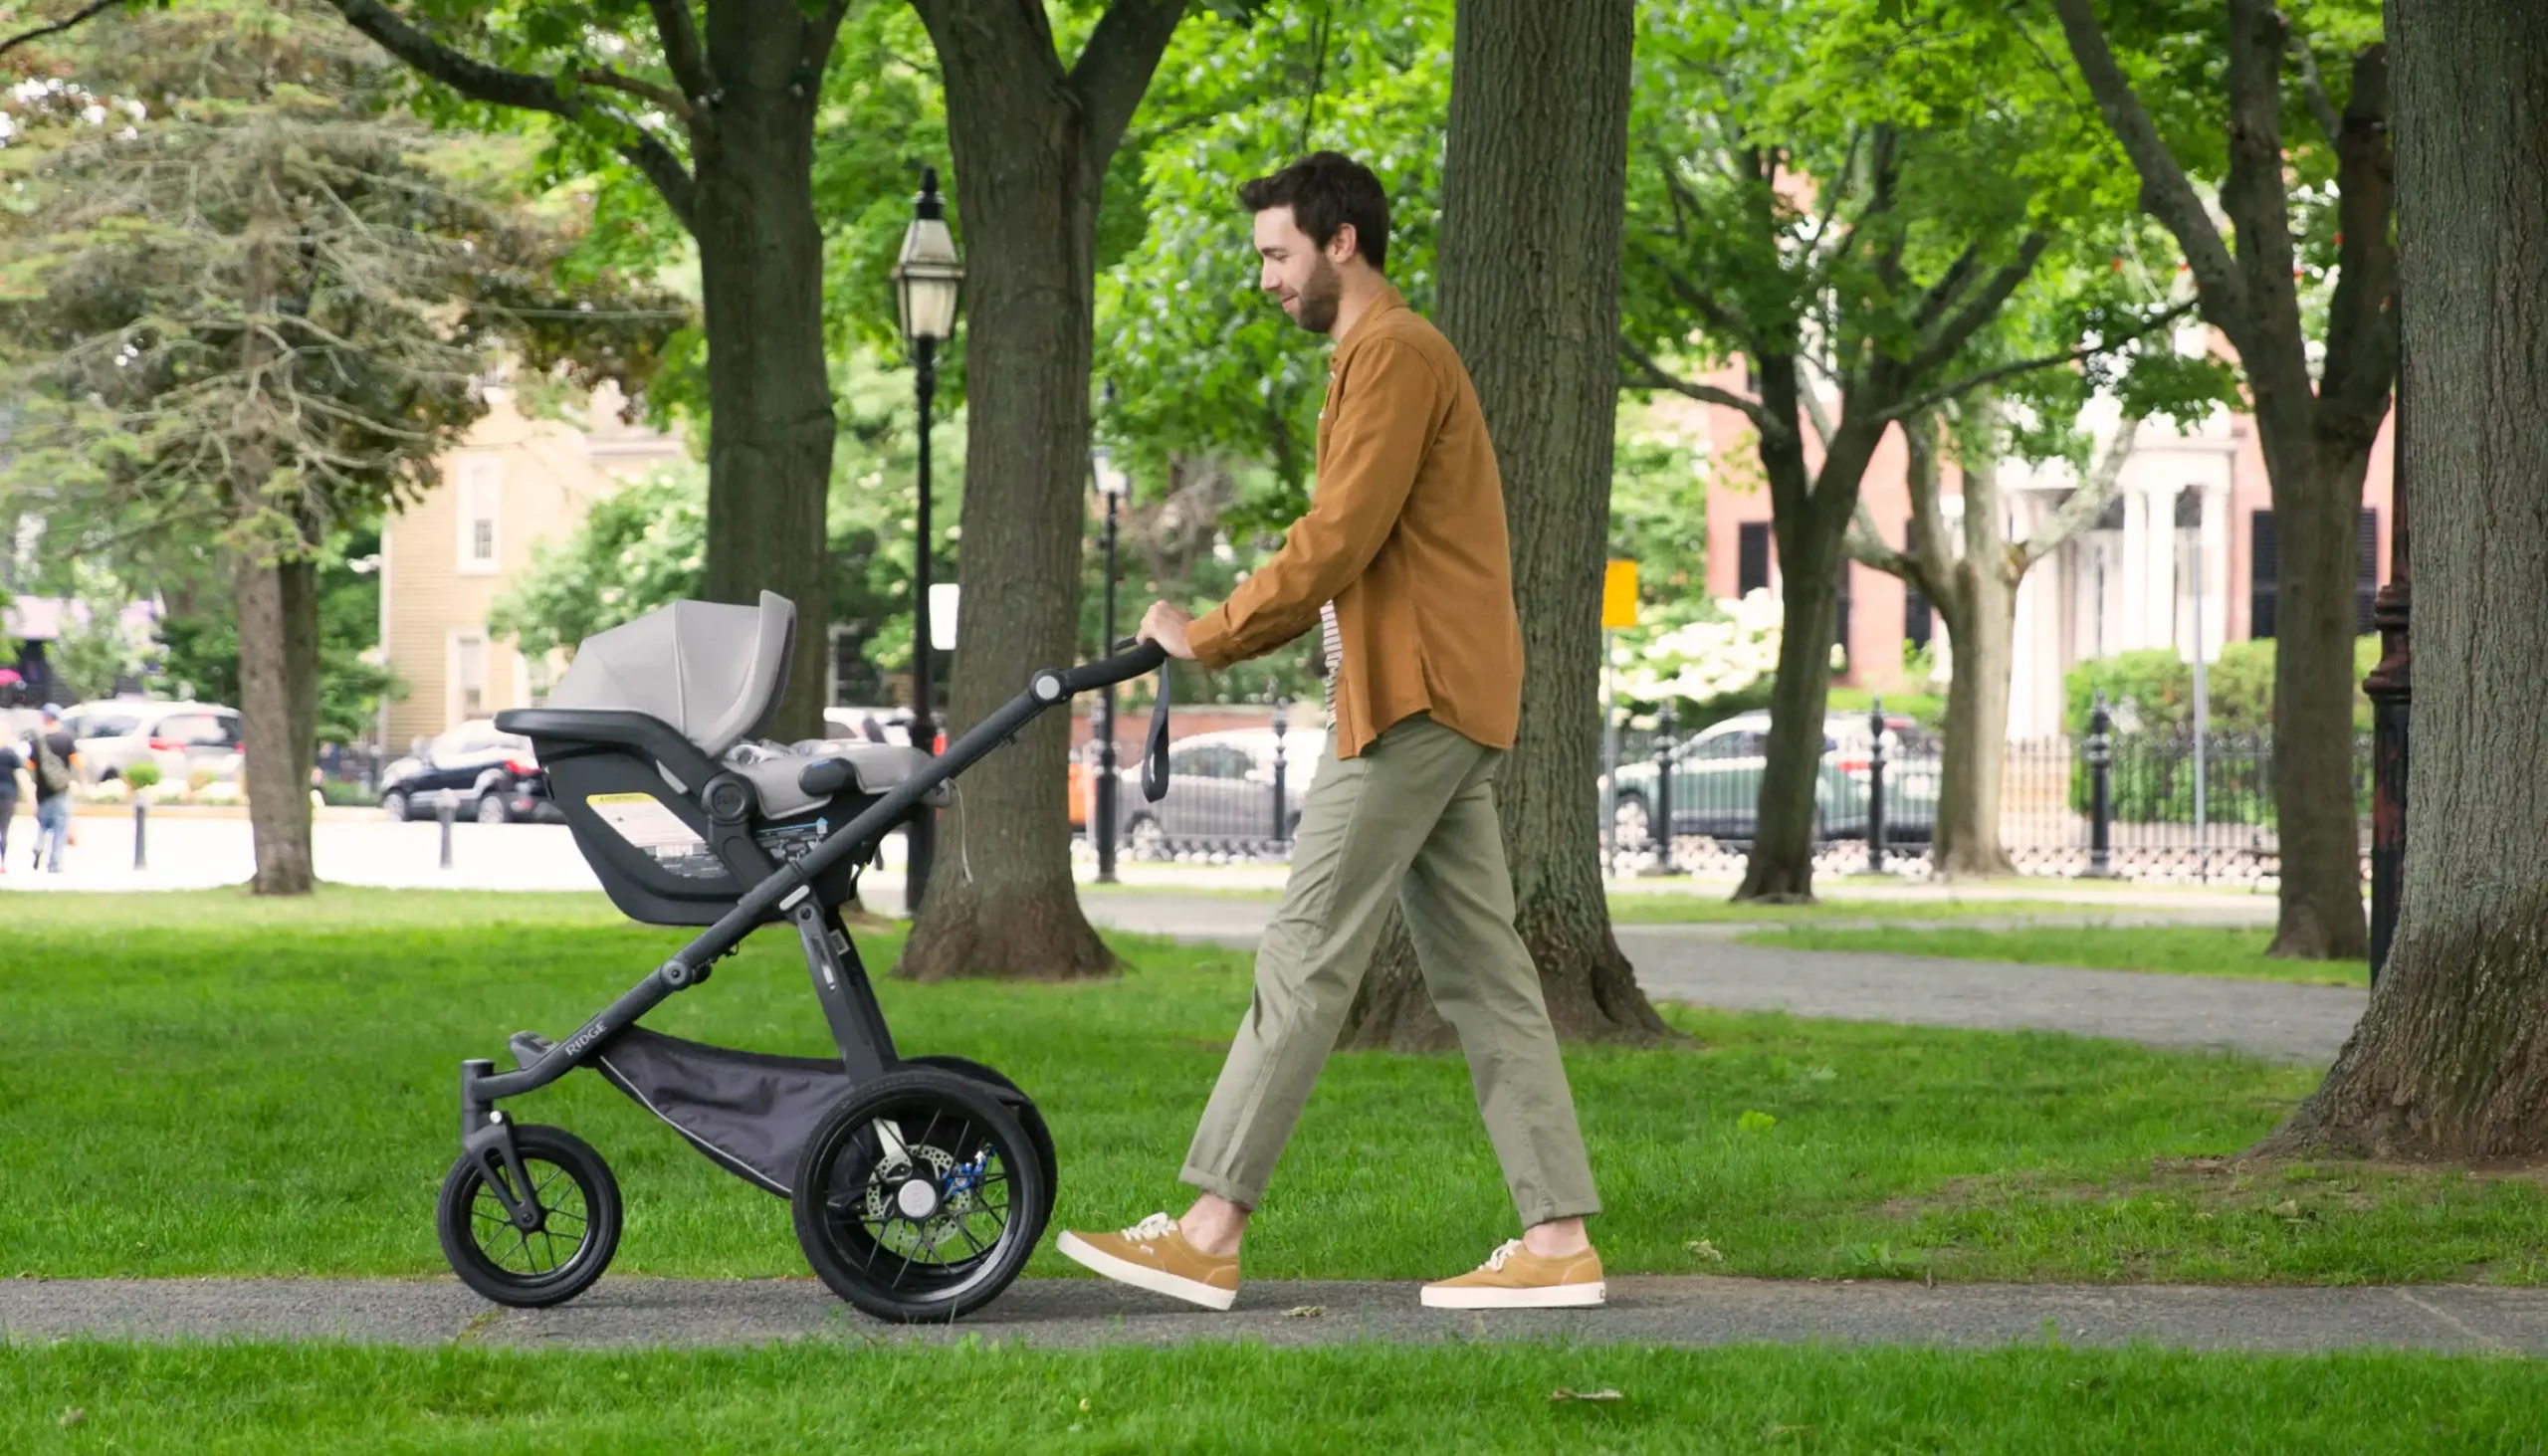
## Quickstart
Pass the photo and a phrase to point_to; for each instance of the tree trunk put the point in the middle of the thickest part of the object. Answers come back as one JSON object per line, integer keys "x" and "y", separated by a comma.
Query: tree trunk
{"x": 2451, "y": 1059}
{"x": 277, "y": 710}
{"x": 1030, "y": 146}
{"x": 1980, "y": 626}
{"x": 1536, "y": 170}
{"x": 761, "y": 268}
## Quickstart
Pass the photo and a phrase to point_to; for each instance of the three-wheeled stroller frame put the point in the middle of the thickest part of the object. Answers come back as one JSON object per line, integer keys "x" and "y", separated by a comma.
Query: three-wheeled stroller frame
{"x": 920, "y": 1185}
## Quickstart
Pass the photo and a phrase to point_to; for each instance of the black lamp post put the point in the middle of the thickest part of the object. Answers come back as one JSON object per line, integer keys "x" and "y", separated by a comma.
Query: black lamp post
{"x": 1114, "y": 485}
{"x": 2390, "y": 689}
{"x": 925, "y": 280}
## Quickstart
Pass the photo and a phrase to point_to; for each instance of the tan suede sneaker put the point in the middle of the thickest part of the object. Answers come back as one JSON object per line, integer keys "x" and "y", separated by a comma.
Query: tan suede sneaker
{"x": 1514, "y": 1278}
{"x": 1154, "y": 1255}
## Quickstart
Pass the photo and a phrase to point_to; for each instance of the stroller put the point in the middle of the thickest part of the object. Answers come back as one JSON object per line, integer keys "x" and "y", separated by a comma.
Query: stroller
{"x": 919, "y": 1184}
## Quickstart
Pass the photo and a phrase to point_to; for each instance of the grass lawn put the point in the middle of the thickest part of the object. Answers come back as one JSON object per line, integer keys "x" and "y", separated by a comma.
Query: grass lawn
{"x": 199, "y": 1400}
{"x": 199, "y": 1084}
{"x": 2175, "y": 949}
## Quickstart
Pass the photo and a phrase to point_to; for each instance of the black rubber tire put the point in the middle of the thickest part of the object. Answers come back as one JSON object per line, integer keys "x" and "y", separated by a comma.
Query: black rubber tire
{"x": 842, "y": 1161}
{"x": 531, "y": 1291}
{"x": 394, "y": 804}
{"x": 1028, "y": 1117}
{"x": 491, "y": 808}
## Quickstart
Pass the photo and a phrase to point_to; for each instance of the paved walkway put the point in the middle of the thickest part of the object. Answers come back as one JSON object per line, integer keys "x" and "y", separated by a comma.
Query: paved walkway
{"x": 1667, "y": 1310}
{"x": 1709, "y": 965}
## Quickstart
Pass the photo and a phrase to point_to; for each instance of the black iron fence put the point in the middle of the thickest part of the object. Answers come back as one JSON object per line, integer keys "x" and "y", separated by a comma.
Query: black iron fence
{"x": 2176, "y": 810}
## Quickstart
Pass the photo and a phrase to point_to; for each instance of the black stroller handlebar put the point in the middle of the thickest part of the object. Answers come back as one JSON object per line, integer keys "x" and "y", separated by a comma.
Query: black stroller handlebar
{"x": 1133, "y": 658}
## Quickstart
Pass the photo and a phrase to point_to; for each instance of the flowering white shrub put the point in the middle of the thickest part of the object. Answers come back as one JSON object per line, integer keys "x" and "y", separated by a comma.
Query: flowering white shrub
{"x": 1709, "y": 657}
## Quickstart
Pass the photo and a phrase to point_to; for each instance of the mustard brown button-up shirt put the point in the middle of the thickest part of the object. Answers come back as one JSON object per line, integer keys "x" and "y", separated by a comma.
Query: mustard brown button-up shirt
{"x": 1405, "y": 533}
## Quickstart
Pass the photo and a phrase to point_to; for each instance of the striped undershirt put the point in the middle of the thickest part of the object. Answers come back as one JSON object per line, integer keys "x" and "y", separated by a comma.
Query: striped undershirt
{"x": 1335, "y": 649}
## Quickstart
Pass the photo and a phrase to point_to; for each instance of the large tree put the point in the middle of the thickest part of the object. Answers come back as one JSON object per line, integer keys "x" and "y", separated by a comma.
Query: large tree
{"x": 1032, "y": 139}
{"x": 713, "y": 105}
{"x": 233, "y": 322}
{"x": 1845, "y": 194}
{"x": 2304, "y": 198}
{"x": 1534, "y": 178}
{"x": 2450, "y": 1060}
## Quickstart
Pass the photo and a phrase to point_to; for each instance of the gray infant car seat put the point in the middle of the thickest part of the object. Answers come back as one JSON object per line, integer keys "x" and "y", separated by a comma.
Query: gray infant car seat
{"x": 652, "y": 748}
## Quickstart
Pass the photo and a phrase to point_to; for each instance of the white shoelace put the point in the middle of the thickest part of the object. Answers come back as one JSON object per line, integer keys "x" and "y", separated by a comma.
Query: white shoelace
{"x": 1157, "y": 1226}
{"x": 1504, "y": 1251}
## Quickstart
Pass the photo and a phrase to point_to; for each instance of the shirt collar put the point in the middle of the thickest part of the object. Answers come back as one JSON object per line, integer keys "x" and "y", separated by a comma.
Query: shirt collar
{"x": 1382, "y": 302}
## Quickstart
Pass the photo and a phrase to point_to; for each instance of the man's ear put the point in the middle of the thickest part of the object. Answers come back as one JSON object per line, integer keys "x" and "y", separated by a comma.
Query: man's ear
{"x": 1342, "y": 247}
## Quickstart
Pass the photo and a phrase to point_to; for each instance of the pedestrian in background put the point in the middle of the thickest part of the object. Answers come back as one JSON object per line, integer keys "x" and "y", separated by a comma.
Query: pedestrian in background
{"x": 50, "y": 753}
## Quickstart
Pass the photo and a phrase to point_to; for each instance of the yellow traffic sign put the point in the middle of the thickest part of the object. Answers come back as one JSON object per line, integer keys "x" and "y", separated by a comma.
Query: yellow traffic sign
{"x": 1618, "y": 595}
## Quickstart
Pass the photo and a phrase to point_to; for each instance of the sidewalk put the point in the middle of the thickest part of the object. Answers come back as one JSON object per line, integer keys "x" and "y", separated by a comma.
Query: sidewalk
{"x": 1643, "y": 1309}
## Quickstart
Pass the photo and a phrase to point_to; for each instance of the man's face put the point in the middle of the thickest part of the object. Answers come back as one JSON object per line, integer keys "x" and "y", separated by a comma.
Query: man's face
{"x": 1297, "y": 272}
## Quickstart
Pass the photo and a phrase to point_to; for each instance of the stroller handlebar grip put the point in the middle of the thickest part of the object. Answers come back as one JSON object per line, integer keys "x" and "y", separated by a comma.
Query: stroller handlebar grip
{"x": 1131, "y": 658}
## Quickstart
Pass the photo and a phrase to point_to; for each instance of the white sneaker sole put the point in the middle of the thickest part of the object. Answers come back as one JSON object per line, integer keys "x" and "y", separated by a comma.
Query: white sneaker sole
{"x": 1547, "y": 1296}
{"x": 1157, "y": 1281}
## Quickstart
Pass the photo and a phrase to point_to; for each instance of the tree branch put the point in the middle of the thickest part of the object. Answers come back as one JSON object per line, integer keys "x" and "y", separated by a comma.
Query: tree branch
{"x": 1812, "y": 399}
{"x": 95, "y": 7}
{"x": 2362, "y": 341}
{"x": 1115, "y": 67}
{"x": 1704, "y": 304}
{"x": 665, "y": 96}
{"x": 1971, "y": 383}
{"x": 2166, "y": 195}
{"x": 2314, "y": 87}
{"x": 1947, "y": 338}
{"x": 682, "y": 55}
{"x": 1651, "y": 375}
{"x": 496, "y": 85}
{"x": 1866, "y": 546}
{"x": 2087, "y": 503}
{"x": 2258, "y": 201}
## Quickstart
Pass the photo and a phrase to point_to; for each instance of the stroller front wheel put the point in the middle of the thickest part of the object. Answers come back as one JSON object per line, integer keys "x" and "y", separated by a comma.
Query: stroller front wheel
{"x": 919, "y": 1197}
{"x": 579, "y": 1202}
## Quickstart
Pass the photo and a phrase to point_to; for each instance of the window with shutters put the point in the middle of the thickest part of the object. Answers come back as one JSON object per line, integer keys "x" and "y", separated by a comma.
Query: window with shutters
{"x": 481, "y": 494}
{"x": 1840, "y": 618}
{"x": 2264, "y": 574}
{"x": 2366, "y": 570}
{"x": 1751, "y": 557}
{"x": 1915, "y": 607}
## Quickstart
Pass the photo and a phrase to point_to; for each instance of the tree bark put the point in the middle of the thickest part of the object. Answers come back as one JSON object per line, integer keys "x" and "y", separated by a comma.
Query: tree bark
{"x": 1031, "y": 146}
{"x": 760, "y": 267}
{"x": 2451, "y": 1059}
{"x": 1536, "y": 171}
{"x": 277, "y": 710}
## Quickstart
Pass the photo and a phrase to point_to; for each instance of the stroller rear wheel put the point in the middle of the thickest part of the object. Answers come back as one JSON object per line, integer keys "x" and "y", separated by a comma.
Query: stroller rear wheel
{"x": 919, "y": 1197}
{"x": 578, "y": 1230}
{"x": 1037, "y": 1135}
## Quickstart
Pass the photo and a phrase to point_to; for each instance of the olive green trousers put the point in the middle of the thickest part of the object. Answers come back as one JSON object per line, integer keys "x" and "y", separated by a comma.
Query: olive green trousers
{"x": 1411, "y": 817}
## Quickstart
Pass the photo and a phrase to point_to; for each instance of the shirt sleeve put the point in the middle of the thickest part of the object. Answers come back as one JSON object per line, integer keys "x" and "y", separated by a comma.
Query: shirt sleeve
{"x": 1388, "y": 403}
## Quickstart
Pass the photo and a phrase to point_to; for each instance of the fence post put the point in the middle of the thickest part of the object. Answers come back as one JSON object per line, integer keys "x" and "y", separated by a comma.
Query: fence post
{"x": 443, "y": 810}
{"x": 2100, "y": 790}
{"x": 140, "y": 818}
{"x": 1659, "y": 821}
{"x": 1875, "y": 788}
{"x": 1282, "y": 815}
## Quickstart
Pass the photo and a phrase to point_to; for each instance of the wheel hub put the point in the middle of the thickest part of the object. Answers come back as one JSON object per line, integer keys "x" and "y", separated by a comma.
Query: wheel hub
{"x": 917, "y": 1199}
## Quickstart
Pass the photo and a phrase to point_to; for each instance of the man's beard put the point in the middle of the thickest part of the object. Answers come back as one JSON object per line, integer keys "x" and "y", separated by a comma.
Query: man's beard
{"x": 1320, "y": 297}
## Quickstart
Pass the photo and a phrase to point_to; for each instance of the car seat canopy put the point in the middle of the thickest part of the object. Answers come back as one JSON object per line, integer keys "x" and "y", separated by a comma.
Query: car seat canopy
{"x": 714, "y": 672}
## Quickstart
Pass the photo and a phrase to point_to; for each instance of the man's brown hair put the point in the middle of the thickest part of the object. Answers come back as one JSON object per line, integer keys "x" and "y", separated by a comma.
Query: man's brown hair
{"x": 1326, "y": 190}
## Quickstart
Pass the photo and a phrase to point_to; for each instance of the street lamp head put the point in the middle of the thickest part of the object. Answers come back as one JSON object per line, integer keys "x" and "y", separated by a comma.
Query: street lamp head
{"x": 929, "y": 274}
{"x": 1111, "y": 480}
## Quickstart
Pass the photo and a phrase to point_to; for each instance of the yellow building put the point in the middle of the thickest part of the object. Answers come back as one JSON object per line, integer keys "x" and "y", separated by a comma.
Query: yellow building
{"x": 512, "y": 482}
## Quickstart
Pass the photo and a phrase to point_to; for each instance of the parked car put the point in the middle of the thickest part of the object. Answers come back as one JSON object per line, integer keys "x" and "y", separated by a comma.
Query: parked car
{"x": 494, "y": 776}
{"x": 1220, "y": 786}
{"x": 1716, "y": 782}
{"x": 180, "y": 740}
{"x": 872, "y": 724}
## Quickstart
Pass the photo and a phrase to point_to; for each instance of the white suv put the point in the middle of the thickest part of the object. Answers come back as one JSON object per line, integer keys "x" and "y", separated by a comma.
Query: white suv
{"x": 114, "y": 735}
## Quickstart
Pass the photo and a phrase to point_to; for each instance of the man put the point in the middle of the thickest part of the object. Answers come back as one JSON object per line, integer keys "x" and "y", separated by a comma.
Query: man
{"x": 50, "y": 753}
{"x": 1403, "y": 564}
